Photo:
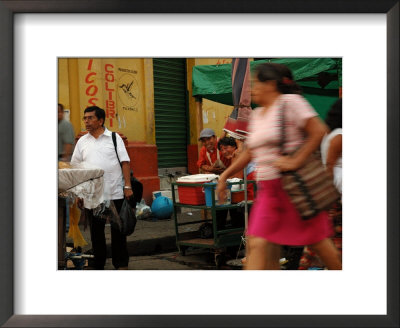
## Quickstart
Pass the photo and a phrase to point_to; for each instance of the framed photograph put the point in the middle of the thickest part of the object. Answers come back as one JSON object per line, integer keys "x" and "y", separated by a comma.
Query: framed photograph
{"x": 34, "y": 34}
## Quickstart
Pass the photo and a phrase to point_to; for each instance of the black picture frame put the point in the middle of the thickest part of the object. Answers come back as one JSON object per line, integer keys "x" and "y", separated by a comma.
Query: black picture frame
{"x": 7, "y": 172}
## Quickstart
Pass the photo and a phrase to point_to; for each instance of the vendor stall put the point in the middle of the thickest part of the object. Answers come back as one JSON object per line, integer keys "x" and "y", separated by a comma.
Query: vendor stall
{"x": 202, "y": 196}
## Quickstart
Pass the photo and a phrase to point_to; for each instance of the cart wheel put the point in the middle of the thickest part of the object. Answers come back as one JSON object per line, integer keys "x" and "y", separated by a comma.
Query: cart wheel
{"x": 219, "y": 260}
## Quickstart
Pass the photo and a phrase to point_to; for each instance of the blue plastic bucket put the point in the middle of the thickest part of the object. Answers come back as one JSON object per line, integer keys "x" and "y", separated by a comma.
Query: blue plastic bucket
{"x": 209, "y": 188}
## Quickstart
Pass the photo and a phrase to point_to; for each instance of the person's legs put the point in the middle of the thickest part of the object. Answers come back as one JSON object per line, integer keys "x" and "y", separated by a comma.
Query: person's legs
{"x": 262, "y": 254}
{"x": 221, "y": 216}
{"x": 237, "y": 217}
{"x": 119, "y": 249}
{"x": 98, "y": 238}
{"x": 328, "y": 253}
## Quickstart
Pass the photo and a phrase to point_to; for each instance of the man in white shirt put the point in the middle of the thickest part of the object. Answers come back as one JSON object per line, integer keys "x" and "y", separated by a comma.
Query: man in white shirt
{"x": 97, "y": 148}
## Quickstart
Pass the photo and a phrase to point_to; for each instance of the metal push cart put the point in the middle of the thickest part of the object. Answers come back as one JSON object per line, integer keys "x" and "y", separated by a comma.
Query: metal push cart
{"x": 221, "y": 239}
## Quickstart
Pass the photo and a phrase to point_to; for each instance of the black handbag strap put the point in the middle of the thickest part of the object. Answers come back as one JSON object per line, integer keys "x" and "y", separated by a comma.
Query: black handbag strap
{"x": 135, "y": 184}
{"x": 114, "y": 139}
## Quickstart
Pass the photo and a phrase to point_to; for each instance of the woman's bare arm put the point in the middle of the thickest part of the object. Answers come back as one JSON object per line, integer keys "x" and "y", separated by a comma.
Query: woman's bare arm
{"x": 239, "y": 164}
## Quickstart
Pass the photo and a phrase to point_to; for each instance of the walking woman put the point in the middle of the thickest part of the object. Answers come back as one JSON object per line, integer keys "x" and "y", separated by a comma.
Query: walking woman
{"x": 274, "y": 221}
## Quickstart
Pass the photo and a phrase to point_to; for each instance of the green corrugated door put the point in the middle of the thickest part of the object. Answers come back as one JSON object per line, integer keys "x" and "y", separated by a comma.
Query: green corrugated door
{"x": 170, "y": 110}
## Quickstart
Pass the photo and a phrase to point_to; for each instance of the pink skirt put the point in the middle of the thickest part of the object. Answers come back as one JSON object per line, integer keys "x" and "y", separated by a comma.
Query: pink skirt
{"x": 274, "y": 218}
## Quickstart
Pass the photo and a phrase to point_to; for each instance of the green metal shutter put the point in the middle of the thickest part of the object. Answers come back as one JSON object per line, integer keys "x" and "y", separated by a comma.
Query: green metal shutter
{"x": 170, "y": 110}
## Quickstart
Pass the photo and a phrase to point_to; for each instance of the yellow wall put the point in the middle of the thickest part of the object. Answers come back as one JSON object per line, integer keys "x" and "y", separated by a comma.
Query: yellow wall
{"x": 214, "y": 115}
{"x": 213, "y": 61}
{"x": 63, "y": 83}
{"x": 118, "y": 85}
{"x": 124, "y": 88}
{"x": 149, "y": 100}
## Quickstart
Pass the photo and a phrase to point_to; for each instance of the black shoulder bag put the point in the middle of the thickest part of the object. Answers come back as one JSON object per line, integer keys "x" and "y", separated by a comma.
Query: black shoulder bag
{"x": 127, "y": 213}
{"x": 137, "y": 186}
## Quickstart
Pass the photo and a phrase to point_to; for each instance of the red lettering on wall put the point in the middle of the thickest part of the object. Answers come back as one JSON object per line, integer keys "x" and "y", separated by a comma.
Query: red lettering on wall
{"x": 89, "y": 75}
{"x": 108, "y": 68}
{"x": 94, "y": 89}
{"x": 107, "y": 88}
{"x": 110, "y": 112}
{"x": 110, "y": 76}
{"x": 92, "y": 101}
{"x": 110, "y": 103}
{"x": 91, "y": 89}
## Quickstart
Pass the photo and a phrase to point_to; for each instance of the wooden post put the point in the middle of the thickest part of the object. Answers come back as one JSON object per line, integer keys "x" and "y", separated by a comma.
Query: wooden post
{"x": 199, "y": 115}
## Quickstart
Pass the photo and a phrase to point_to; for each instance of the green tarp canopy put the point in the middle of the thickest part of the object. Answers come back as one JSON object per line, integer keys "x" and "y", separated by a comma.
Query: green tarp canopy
{"x": 319, "y": 78}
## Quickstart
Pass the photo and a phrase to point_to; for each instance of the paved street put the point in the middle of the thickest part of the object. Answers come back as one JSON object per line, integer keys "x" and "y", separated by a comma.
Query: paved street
{"x": 195, "y": 260}
{"x": 153, "y": 247}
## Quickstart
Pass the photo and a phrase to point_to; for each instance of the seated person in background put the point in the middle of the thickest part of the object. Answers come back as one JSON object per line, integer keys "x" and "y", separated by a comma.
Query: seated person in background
{"x": 230, "y": 149}
{"x": 211, "y": 161}
{"x": 210, "y": 158}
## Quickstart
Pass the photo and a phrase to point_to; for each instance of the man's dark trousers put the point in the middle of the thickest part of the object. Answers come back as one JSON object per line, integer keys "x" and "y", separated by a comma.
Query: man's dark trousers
{"x": 119, "y": 251}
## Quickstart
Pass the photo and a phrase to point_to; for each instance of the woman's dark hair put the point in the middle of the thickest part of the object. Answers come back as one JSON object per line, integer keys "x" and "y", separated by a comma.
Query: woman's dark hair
{"x": 227, "y": 141}
{"x": 60, "y": 106}
{"x": 99, "y": 112}
{"x": 334, "y": 117}
{"x": 279, "y": 73}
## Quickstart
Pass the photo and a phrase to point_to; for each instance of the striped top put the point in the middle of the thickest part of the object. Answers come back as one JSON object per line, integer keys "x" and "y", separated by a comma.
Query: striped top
{"x": 265, "y": 132}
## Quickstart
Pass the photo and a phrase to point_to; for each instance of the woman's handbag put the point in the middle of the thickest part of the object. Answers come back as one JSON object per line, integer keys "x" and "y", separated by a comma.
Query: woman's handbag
{"x": 310, "y": 188}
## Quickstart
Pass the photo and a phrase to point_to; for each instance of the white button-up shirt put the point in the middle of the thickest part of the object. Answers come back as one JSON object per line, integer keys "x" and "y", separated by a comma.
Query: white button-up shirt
{"x": 100, "y": 153}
